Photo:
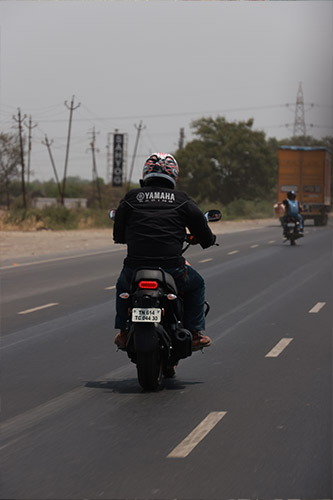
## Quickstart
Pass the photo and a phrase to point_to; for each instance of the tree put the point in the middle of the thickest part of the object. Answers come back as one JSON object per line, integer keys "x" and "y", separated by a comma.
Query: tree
{"x": 227, "y": 161}
{"x": 308, "y": 141}
{"x": 9, "y": 160}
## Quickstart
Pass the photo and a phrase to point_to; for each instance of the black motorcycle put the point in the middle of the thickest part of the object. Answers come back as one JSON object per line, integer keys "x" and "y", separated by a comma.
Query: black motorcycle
{"x": 292, "y": 231}
{"x": 157, "y": 339}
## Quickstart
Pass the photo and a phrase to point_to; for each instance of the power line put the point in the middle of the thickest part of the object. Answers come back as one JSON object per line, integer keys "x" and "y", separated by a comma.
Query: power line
{"x": 165, "y": 115}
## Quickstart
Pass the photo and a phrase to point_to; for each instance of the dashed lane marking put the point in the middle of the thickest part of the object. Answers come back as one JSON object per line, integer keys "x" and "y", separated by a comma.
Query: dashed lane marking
{"x": 204, "y": 260}
{"x": 280, "y": 346}
{"x": 233, "y": 252}
{"x": 317, "y": 307}
{"x": 110, "y": 287}
{"x": 27, "y": 311}
{"x": 197, "y": 435}
{"x": 271, "y": 241}
{"x": 254, "y": 246}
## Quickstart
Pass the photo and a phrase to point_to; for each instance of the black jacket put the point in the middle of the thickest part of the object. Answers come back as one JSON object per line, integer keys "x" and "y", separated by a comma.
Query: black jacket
{"x": 152, "y": 221}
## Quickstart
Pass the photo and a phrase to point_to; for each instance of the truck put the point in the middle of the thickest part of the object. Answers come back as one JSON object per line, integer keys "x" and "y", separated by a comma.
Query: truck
{"x": 307, "y": 171}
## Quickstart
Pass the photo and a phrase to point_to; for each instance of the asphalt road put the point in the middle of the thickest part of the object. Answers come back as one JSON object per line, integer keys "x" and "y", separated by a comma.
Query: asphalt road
{"x": 249, "y": 418}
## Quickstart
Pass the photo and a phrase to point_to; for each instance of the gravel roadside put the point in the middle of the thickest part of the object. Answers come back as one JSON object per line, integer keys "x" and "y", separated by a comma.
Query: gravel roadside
{"x": 18, "y": 244}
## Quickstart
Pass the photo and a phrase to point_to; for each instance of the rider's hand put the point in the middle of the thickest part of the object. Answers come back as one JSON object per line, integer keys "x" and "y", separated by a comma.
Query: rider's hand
{"x": 192, "y": 240}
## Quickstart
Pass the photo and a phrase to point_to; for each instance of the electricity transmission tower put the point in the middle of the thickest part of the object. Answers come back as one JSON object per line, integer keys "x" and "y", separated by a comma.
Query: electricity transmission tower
{"x": 299, "y": 123}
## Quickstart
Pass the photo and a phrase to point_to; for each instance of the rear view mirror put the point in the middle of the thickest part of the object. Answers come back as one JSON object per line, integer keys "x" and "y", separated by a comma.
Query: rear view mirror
{"x": 112, "y": 214}
{"x": 213, "y": 215}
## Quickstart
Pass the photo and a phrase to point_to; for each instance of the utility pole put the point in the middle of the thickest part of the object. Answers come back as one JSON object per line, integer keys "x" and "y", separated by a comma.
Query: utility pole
{"x": 48, "y": 145}
{"x": 139, "y": 128}
{"x": 20, "y": 120}
{"x": 30, "y": 127}
{"x": 299, "y": 123}
{"x": 71, "y": 109}
{"x": 181, "y": 138}
{"x": 95, "y": 175}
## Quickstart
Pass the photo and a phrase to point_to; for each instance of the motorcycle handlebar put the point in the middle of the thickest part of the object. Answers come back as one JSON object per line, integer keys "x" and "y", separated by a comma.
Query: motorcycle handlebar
{"x": 192, "y": 240}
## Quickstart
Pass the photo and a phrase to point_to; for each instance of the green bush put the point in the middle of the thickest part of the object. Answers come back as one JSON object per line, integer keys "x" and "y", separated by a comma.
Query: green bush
{"x": 245, "y": 209}
{"x": 59, "y": 218}
{"x": 242, "y": 209}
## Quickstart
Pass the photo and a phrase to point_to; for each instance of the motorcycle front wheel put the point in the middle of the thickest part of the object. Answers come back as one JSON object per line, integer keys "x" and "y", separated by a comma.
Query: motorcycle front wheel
{"x": 149, "y": 368}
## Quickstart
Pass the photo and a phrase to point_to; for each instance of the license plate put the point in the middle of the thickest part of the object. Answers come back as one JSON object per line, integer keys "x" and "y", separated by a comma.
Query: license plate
{"x": 146, "y": 314}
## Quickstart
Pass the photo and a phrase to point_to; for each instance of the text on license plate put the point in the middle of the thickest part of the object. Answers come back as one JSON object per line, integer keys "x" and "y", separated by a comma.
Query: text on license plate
{"x": 148, "y": 314}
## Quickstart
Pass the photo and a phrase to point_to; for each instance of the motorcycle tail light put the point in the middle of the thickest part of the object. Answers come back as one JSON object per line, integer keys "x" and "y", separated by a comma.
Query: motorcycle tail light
{"x": 151, "y": 285}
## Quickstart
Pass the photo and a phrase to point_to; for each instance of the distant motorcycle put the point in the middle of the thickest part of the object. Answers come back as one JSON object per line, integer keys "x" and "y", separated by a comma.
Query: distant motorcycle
{"x": 292, "y": 232}
{"x": 157, "y": 339}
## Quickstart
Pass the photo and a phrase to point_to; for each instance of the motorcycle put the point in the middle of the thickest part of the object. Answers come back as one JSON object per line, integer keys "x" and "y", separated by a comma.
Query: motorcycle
{"x": 157, "y": 339}
{"x": 292, "y": 232}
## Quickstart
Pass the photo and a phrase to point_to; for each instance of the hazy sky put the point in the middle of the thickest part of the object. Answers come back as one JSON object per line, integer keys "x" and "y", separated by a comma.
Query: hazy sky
{"x": 163, "y": 62}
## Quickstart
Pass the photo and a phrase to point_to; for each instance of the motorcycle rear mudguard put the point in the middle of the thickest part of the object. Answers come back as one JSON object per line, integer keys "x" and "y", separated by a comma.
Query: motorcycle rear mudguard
{"x": 147, "y": 337}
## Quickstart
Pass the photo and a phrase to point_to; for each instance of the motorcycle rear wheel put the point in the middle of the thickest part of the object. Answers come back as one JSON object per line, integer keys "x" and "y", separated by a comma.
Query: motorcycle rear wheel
{"x": 149, "y": 369}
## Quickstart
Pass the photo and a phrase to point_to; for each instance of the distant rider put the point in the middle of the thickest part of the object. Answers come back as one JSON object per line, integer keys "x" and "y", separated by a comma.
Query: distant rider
{"x": 292, "y": 209}
{"x": 152, "y": 221}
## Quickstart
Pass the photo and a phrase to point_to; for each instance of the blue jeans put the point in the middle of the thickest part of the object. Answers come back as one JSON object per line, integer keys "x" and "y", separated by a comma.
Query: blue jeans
{"x": 188, "y": 281}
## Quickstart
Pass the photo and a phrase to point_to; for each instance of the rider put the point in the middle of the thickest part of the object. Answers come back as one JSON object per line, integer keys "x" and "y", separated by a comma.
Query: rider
{"x": 292, "y": 209}
{"x": 152, "y": 221}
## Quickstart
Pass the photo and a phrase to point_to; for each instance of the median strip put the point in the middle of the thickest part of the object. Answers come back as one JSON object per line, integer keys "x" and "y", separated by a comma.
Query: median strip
{"x": 27, "y": 311}
{"x": 197, "y": 435}
{"x": 280, "y": 346}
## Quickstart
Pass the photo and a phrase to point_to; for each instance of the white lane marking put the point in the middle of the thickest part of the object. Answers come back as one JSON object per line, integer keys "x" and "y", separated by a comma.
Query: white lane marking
{"x": 254, "y": 246}
{"x": 233, "y": 252}
{"x": 110, "y": 287}
{"x": 280, "y": 346}
{"x": 197, "y": 435}
{"x": 205, "y": 260}
{"x": 317, "y": 307}
{"x": 27, "y": 311}
{"x": 271, "y": 241}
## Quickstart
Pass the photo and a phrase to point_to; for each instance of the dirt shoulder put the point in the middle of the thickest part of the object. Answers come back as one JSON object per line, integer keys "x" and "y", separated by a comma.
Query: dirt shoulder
{"x": 18, "y": 244}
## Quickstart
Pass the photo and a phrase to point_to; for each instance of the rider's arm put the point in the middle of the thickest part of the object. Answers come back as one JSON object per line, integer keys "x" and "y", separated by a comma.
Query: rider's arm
{"x": 119, "y": 227}
{"x": 198, "y": 225}
{"x": 285, "y": 205}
